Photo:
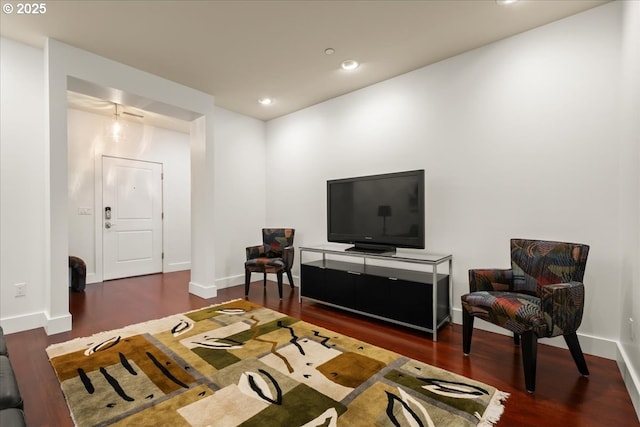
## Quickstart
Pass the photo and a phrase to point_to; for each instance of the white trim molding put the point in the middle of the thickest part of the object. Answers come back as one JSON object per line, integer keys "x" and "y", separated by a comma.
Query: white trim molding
{"x": 23, "y": 322}
{"x": 57, "y": 324}
{"x": 177, "y": 266}
{"x": 202, "y": 291}
{"x": 238, "y": 279}
{"x": 595, "y": 346}
{"x": 630, "y": 377}
{"x": 40, "y": 319}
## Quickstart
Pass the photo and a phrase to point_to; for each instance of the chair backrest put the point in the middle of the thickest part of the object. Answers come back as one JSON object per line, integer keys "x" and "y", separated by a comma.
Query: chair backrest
{"x": 536, "y": 263}
{"x": 276, "y": 239}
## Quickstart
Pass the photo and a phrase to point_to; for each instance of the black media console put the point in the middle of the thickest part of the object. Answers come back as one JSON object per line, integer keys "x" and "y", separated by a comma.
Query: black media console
{"x": 374, "y": 285}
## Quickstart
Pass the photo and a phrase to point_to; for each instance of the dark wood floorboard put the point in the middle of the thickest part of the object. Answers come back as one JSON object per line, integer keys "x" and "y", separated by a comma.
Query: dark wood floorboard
{"x": 563, "y": 397}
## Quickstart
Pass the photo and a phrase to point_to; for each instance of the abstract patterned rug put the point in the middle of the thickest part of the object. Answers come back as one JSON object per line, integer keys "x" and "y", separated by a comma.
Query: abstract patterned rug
{"x": 240, "y": 364}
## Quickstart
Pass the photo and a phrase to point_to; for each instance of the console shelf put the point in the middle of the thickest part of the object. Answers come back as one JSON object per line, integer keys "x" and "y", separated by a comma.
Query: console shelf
{"x": 373, "y": 285}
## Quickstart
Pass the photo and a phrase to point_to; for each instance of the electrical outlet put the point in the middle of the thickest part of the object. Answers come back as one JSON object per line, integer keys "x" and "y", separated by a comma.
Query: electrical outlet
{"x": 21, "y": 289}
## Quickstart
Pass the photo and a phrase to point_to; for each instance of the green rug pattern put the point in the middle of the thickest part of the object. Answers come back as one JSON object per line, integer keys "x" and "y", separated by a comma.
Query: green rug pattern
{"x": 240, "y": 364}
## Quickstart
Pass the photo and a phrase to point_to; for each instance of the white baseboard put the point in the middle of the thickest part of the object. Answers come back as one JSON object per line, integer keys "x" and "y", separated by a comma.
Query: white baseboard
{"x": 227, "y": 282}
{"x": 595, "y": 346}
{"x": 58, "y": 324}
{"x": 630, "y": 377}
{"x": 93, "y": 278}
{"x": 177, "y": 266}
{"x": 23, "y": 322}
{"x": 169, "y": 268}
{"x": 26, "y": 322}
{"x": 202, "y": 291}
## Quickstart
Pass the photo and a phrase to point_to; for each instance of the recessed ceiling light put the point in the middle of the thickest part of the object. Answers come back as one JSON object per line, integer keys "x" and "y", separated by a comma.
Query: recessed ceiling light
{"x": 329, "y": 51}
{"x": 505, "y": 2}
{"x": 349, "y": 65}
{"x": 265, "y": 101}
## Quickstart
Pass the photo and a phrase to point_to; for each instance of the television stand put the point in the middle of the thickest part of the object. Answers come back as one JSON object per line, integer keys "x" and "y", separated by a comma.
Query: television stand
{"x": 394, "y": 287}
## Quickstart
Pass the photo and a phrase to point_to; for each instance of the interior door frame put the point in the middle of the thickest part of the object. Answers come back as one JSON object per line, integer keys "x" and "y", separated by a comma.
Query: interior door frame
{"x": 98, "y": 220}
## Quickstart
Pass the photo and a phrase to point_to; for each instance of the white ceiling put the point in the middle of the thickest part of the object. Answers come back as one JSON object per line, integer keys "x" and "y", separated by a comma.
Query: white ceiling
{"x": 240, "y": 51}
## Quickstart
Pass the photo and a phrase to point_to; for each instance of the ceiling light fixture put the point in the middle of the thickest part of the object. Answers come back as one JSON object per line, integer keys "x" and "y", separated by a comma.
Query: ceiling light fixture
{"x": 349, "y": 65}
{"x": 116, "y": 129}
{"x": 329, "y": 51}
{"x": 505, "y": 2}
{"x": 265, "y": 101}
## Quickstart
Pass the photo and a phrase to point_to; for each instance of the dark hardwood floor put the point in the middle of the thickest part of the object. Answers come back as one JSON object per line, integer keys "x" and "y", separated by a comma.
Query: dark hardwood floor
{"x": 563, "y": 397}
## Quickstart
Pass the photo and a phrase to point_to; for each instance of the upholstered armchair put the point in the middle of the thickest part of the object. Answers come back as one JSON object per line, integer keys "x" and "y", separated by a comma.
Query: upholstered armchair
{"x": 275, "y": 255}
{"x": 540, "y": 296}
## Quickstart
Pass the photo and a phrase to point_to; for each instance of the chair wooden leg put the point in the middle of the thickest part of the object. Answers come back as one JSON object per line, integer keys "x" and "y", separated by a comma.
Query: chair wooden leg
{"x": 279, "y": 274}
{"x": 290, "y": 277}
{"x": 516, "y": 339}
{"x": 529, "y": 343}
{"x": 576, "y": 353}
{"x": 467, "y": 331}
{"x": 247, "y": 280}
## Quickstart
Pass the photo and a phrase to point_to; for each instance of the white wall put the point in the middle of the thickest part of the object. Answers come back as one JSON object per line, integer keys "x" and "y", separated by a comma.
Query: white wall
{"x": 22, "y": 183}
{"x": 517, "y": 138}
{"x": 629, "y": 357}
{"x": 87, "y": 144}
{"x": 241, "y": 204}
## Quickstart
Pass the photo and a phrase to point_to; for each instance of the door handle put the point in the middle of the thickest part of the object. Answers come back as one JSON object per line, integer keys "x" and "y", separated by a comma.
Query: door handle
{"x": 107, "y": 224}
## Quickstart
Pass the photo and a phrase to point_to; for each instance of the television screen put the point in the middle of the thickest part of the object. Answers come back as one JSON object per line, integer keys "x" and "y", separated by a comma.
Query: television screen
{"x": 378, "y": 212}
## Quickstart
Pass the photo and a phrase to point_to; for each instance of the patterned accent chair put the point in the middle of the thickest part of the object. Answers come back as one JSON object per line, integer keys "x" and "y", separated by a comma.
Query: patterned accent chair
{"x": 275, "y": 255}
{"x": 540, "y": 296}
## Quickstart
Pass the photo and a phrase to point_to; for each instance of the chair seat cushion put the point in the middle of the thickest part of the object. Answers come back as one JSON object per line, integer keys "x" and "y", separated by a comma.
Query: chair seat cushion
{"x": 270, "y": 265}
{"x": 513, "y": 311}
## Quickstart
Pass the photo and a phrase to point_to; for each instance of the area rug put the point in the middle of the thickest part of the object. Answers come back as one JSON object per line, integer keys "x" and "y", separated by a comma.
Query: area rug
{"x": 240, "y": 364}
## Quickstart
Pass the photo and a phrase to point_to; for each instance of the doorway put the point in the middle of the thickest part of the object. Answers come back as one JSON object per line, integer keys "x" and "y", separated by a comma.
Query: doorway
{"x": 131, "y": 217}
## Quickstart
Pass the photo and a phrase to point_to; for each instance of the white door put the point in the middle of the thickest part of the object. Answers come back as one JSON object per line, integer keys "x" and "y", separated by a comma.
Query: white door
{"x": 131, "y": 217}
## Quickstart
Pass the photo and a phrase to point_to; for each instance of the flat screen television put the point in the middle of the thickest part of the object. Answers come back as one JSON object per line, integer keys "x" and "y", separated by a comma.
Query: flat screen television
{"x": 377, "y": 213}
